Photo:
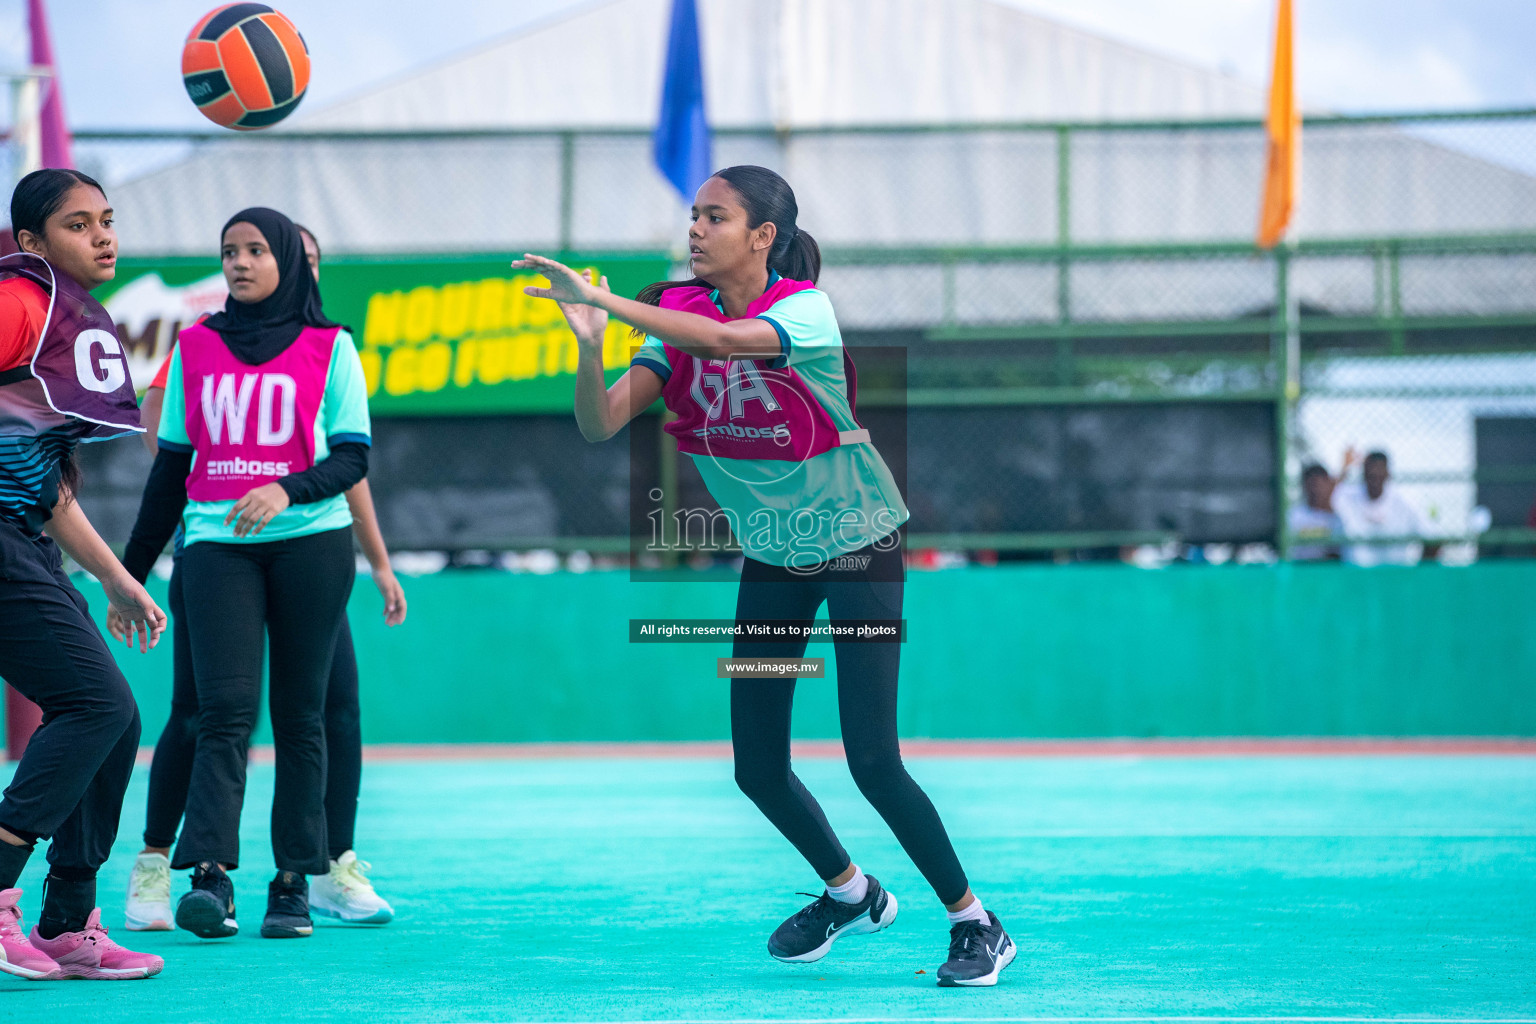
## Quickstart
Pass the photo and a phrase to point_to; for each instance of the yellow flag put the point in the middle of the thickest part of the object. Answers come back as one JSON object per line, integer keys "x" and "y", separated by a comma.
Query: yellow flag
{"x": 1283, "y": 129}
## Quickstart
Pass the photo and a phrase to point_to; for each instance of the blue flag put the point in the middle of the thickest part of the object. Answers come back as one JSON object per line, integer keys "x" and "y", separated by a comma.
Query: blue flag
{"x": 681, "y": 144}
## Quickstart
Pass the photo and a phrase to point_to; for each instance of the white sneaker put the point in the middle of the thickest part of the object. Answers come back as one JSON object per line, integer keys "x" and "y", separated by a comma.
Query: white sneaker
{"x": 149, "y": 894}
{"x": 345, "y": 894}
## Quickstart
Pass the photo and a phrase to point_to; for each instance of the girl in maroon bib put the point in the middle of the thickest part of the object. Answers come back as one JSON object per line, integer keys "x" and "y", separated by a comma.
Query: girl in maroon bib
{"x": 64, "y": 381}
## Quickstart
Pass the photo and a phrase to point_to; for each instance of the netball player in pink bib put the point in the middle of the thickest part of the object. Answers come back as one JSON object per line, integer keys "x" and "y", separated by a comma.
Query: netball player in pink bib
{"x": 749, "y": 356}
{"x": 264, "y": 427}
{"x": 345, "y": 893}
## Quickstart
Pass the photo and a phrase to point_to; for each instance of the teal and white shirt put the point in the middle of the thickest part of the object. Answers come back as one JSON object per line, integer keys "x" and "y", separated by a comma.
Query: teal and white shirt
{"x": 801, "y": 513}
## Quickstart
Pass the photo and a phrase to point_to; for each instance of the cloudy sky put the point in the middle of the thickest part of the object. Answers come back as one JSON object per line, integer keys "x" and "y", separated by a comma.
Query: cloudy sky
{"x": 120, "y": 60}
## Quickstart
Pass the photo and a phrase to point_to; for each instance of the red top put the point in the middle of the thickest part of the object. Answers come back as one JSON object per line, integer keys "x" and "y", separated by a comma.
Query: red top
{"x": 165, "y": 368}
{"x": 23, "y": 312}
{"x": 164, "y": 371}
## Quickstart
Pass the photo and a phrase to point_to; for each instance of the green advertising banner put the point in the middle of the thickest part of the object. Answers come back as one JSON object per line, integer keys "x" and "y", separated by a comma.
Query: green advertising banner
{"x": 445, "y": 336}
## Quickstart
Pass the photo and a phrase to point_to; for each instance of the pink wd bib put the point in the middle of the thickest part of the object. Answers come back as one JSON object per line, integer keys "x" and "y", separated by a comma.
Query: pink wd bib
{"x": 745, "y": 408}
{"x": 251, "y": 425}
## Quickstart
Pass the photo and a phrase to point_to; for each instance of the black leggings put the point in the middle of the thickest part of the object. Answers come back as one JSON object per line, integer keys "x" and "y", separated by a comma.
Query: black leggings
{"x": 296, "y": 591}
{"x": 71, "y": 780}
{"x": 171, "y": 771}
{"x": 862, "y": 586}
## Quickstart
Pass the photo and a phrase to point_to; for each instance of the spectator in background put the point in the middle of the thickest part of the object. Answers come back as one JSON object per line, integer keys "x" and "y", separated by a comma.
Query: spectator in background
{"x": 1373, "y": 508}
{"x": 1315, "y": 527}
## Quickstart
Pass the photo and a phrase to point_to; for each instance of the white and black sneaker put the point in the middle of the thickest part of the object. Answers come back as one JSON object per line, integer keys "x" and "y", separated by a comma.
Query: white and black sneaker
{"x": 977, "y": 953}
{"x": 208, "y": 911}
{"x": 806, "y": 937}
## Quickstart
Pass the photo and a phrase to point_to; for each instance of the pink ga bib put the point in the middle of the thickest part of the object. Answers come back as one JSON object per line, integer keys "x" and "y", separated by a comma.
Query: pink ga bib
{"x": 251, "y": 425}
{"x": 745, "y": 408}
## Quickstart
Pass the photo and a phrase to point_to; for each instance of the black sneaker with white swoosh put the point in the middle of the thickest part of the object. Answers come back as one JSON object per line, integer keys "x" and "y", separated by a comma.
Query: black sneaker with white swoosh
{"x": 808, "y": 935}
{"x": 977, "y": 953}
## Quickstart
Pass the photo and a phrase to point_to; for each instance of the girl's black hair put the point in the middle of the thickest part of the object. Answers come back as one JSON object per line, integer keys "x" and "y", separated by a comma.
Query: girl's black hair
{"x": 767, "y": 197}
{"x": 70, "y": 477}
{"x": 39, "y": 195}
{"x": 312, "y": 237}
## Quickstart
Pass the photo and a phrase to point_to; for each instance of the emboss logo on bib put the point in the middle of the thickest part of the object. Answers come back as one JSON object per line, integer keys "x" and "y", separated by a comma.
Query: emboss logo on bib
{"x": 227, "y": 407}
{"x": 238, "y": 467}
{"x": 102, "y": 374}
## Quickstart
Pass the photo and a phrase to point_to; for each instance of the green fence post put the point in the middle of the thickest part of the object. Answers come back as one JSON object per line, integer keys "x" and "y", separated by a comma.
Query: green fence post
{"x": 1398, "y": 338}
{"x": 1065, "y": 369}
{"x": 947, "y": 283}
{"x": 567, "y": 188}
{"x": 1063, "y": 222}
{"x": 1063, "y": 185}
{"x": 1379, "y": 259}
{"x": 1287, "y": 349}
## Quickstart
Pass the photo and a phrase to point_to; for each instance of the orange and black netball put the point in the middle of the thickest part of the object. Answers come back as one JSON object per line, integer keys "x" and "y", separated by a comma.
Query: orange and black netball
{"x": 245, "y": 66}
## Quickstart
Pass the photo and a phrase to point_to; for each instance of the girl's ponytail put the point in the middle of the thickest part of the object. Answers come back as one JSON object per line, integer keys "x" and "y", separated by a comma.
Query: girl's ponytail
{"x": 651, "y": 293}
{"x": 798, "y": 259}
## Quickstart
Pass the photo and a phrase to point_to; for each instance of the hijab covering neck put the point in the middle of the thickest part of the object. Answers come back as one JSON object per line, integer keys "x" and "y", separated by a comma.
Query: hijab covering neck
{"x": 258, "y": 332}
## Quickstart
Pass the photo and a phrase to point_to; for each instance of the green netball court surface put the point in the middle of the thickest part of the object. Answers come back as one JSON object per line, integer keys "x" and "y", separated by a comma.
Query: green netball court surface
{"x": 1370, "y": 887}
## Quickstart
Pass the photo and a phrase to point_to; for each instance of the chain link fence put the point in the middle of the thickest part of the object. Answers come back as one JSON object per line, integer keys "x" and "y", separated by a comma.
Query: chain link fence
{"x": 1080, "y": 306}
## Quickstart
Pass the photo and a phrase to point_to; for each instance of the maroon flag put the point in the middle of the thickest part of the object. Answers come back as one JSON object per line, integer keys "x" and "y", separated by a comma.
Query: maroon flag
{"x": 51, "y": 123}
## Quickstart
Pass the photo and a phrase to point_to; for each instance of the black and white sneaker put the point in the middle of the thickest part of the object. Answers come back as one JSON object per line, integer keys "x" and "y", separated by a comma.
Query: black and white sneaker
{"x": 977, "y": 953}
{"x": 208, "y": 911}
{"x": 806, "y": 937}
{"x": 287, "y": 907}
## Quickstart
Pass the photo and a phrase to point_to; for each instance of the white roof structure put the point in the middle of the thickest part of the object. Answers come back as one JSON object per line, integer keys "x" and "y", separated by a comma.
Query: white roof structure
{"x": 794, "y": 64}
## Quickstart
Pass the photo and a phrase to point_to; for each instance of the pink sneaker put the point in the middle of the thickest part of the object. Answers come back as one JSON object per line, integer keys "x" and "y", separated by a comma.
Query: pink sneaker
{"x": 17, "y": 955}
{"x": 90, "y": 954}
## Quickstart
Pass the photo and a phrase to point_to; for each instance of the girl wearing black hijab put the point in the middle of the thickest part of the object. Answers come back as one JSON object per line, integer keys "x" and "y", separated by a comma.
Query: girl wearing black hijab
{"x": 264, "y": 427}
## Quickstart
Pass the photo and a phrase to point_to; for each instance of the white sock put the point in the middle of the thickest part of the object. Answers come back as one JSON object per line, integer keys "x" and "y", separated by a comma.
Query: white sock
{"x": 852, "y": 891}
{"x": 974, "y": 912}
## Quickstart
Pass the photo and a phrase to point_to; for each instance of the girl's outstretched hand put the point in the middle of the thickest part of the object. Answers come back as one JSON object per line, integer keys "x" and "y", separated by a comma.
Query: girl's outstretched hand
{"x": 565, "y": 285}
{"x": 587, "y": 322}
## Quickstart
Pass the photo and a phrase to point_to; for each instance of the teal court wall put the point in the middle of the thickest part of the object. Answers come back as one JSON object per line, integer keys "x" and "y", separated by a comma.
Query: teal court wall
{"x": 1012, "y": 651}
